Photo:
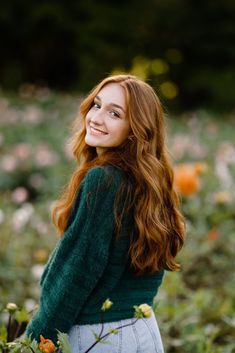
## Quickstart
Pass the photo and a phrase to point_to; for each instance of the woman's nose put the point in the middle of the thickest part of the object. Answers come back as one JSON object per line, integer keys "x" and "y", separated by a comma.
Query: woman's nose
{"x": 97, "y": 117}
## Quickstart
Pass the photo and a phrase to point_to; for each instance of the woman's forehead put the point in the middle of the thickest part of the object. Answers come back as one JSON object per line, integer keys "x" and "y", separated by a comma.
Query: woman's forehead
{"x": 112, "y": 93}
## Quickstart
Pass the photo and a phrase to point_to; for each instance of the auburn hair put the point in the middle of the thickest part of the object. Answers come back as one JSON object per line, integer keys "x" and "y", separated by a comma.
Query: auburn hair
{"x": 159, "y": 228}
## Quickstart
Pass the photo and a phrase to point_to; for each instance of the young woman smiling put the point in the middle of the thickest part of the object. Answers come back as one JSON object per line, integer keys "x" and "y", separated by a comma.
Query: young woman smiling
{"x": 119, "y": 220}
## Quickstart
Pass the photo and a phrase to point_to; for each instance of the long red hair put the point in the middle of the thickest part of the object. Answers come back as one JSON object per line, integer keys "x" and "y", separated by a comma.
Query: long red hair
{"x": 159, "y": 225}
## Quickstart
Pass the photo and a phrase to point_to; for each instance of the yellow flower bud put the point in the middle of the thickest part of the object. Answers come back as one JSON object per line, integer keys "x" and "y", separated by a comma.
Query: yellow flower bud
{"x": 11, "y": 307}
{"x": 222, "y": 197}
{"x": 146, "y": 310}
{"x": 106, "y": 305}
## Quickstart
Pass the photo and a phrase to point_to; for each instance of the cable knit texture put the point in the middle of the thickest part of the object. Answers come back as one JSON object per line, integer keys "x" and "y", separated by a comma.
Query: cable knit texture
{"x": 88, "y": 266}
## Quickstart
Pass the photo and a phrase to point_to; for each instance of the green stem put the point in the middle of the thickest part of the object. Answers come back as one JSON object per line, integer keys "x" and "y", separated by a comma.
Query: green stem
{"x": 17, "y": 330}
{"x": 102, "y": 327}
{"x": 104, "y": 336}
{"x": 9, "y": 328}
{"x": 32, "y": 350}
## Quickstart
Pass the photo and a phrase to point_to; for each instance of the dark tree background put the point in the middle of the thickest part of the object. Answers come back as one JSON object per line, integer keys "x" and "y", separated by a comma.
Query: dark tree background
{"x": 70, "y": 45}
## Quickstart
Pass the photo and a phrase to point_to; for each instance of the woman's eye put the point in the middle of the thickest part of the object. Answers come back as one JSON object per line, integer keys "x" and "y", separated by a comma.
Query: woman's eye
{"x": 115, "y": 114}
{"x": 96, "y": 105}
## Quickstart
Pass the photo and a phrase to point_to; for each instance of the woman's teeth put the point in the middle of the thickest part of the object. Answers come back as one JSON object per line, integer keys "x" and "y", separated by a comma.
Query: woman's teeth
{"x": 96, "y": 131}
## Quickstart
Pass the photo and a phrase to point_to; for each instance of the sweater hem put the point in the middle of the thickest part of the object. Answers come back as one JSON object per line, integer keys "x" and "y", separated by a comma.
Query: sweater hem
{"x": 89, "y": 319}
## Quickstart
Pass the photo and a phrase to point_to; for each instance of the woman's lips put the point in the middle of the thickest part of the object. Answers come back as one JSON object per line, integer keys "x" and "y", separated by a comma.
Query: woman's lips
{"x": 96, "y": 132}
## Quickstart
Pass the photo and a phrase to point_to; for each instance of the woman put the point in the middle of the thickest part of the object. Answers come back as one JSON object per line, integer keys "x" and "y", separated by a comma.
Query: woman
{"x": 120, "y": 223}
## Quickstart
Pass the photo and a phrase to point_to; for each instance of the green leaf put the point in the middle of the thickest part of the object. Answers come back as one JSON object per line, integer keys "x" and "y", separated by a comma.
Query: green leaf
{"x": 97, "y": 337}
{"x": 113, "y": 331}
{"x": 14, "y": 347}
{"x": 138, "y": 313}
{"x": 22, "y": 316}
{"x": 3, "y": 333}
{"x": 103, "y": 341}
{"x": 26, "y": 342}
{"x": 34, "y": 345}
{"x": 64, "y": 344}
{"x": 16, "y": 350}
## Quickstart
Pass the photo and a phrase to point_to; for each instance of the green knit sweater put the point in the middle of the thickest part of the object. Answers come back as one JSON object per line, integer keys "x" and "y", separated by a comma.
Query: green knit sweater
{"x": 88, "y": 266}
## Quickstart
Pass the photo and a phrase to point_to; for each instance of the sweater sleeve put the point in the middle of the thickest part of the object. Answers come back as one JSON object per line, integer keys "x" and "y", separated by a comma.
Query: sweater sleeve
{"x": 80, "y": 257}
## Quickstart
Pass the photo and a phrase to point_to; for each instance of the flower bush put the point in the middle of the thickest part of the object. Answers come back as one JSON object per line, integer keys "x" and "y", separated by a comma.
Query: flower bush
{"x": 195, "y": 306}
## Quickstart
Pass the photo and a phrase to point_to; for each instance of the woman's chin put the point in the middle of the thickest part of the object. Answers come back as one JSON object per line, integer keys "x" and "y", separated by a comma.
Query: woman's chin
{"x": 89, "y": 141}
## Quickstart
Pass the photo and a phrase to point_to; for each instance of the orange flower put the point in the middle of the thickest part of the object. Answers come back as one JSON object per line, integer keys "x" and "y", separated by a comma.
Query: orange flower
{"x": 40, "y": 255}
{"x": 186, "y": 179}
{"x": 201, "y": 167}
{"x": 46, "y": 345}
{"x": 213, "y": 234}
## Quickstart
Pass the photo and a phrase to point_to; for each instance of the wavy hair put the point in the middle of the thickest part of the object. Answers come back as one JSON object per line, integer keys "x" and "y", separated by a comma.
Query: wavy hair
{"x": 159, "y": 228}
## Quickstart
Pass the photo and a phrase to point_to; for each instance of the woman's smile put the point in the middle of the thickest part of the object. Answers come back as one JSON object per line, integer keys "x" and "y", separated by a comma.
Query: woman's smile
{"x": 96, "y": 132}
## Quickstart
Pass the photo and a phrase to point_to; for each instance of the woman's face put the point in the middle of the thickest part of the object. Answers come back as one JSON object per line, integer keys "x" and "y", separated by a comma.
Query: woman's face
{"x": 106, "y": 122}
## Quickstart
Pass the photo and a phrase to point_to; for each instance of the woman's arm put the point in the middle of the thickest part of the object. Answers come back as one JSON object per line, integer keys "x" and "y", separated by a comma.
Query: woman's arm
{"x": 80, "y": 257}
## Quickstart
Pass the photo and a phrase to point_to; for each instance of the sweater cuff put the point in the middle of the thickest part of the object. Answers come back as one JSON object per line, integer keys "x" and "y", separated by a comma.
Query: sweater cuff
{"x": 37, "y": 326}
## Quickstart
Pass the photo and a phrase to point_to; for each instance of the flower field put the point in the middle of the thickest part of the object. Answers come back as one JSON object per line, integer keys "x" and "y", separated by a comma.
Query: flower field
{"x": 195, "y": 308}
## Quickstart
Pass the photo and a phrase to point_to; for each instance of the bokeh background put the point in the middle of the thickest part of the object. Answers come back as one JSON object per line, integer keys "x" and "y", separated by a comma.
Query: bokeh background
{"x": 54, "y": 52}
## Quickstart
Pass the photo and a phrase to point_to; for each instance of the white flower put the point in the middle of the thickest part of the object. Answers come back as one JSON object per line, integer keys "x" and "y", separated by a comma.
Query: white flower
{"x": 37, "y": 223}
{"x": 8, "y": 163}
{"x": 21, "y": 216}
{"x": 36, "y": 180}
{"x": 1, "y": 139}
{"x": 30, "y": 304}
{"x": 33, "y": 115}
{"x": 2, "y": 216}
{"x": 22, "y": 150}
{"x": 37, "y": 271}
{"x": 20, "y": 195}
{"x": 44, "y": 156}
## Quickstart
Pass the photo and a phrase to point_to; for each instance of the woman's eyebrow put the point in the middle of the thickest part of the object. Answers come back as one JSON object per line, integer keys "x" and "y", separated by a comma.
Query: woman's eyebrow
{"x": 112, "y": 104}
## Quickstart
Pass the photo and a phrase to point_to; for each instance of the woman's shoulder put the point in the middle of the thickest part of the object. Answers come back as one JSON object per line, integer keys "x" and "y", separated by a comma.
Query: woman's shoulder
{"x": 104, "y": 173}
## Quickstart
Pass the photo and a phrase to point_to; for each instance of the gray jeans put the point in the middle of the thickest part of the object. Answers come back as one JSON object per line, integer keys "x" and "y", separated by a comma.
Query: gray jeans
{"x": 141, "y": 337}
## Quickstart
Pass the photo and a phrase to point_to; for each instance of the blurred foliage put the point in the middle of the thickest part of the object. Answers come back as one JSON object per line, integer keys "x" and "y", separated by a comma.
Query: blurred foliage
{"x": 184, "y": 47}
{"x": 195, "y": 307}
